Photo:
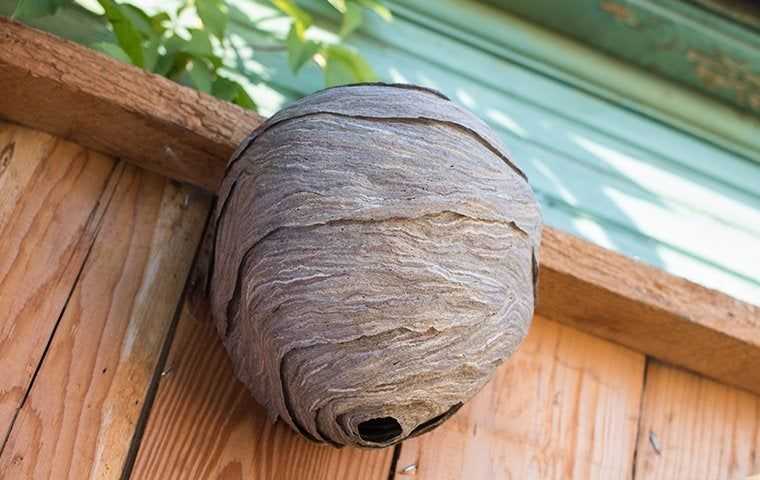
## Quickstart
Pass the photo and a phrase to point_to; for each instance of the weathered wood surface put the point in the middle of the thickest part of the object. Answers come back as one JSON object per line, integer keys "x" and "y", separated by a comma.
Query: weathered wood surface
{"x": 649, "y": 310}
{"x": 137, "y": 115}
{"x": 52, "y": 199}
{"x": 692, "y": 427}
{"x": 205, "y": 424}
{"x": 79, "y": 94}
{"x": 565, "y": 406}
{"x": 81, "y": 413}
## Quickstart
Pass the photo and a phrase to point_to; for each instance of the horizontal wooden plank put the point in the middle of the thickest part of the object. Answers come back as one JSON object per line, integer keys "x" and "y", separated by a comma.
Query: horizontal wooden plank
{"x": 586, "y": 286}
{"x": 79, "y": 94}
{"x": 205, "y": 424}
{"x": 52, "y": 199}
{"x": 82, "y": 410}
{"x": 566, "y": 405}
{"x": 649, "y": 310}
{"x": 692, "y": 427}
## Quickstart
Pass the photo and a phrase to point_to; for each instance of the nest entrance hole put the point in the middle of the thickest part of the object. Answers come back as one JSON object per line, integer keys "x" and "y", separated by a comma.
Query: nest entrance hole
{"x": 379, "y": 430}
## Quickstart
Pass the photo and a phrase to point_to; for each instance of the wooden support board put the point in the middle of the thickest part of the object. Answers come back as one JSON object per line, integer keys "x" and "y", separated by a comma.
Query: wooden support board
{"x": 649, "y": 310}
{"x": 52, "y": 197}
{"x": 114, "y": 108}
{"x": 566, "y": 406}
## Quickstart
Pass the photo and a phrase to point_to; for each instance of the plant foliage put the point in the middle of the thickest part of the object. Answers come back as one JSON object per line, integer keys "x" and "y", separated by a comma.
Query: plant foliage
{"x": 159, "y": 42}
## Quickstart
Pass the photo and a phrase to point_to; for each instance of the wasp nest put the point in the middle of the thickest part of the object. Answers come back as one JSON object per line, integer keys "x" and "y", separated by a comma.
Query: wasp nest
{"x": 374, "y": 262}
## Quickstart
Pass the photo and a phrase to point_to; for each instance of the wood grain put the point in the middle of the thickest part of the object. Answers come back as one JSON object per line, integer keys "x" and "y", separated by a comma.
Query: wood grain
{"x": 80, "y": 415}
{"x": 649, "y": 310}
{"x": 76, "y": 93}
{"x": 565, "y": 406}
{"x": 52, "y": 198}
{"x": 205, "y": 424}
{"x": 692, "y": 427}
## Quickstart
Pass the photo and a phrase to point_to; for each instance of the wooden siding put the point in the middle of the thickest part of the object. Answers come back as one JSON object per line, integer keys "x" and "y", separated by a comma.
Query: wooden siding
{"x": 103, "y": 402}
{"x": 205, "y": 424}
{"x": 87, "y": 396}
{"x": 692, "y": 427}
{"x": 565, "y": 406}
{"x": 52, "y": 197}
{"x": 90, "y": 303}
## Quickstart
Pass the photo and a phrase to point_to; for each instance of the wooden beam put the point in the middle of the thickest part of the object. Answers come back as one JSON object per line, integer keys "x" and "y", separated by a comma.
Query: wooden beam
{"x": 72, "y": 91}
{"x": 79, "y": 94}
{"x": 648, "y": 309}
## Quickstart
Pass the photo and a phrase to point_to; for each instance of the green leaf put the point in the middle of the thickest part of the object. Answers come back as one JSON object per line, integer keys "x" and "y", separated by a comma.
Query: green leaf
{"x": 201, "y": 75}
{"x": 345, "y": 66}
{"x": 299, "y": 16}
{"x": 339, "y": 5}
{"x": 128, "y": 36}
{"x": 244, "y": 100}
{"x": 158, "y": 22}
{"x": 112, "y": 50}
{"x": 174, "y": 44}
{"x": 199, "y": 43}
{"x": 150, "y": 51}
{"x": 378, "y": 8}
{"x": 172, "y": 63}
{"x": 300, "y": 50}
{"x": 225, "y": 89}
{"x": 167, "y": 63}
{"x": 214, "y": 15}
{"x": 37, "y": 8}
{"x": 232, "y": 91}
{"x": 352, "y": 19}
{"x": 139, "y": 19}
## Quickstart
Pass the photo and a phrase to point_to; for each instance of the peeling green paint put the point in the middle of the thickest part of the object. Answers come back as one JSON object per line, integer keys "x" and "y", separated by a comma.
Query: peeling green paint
{"x": 676, "y": 39}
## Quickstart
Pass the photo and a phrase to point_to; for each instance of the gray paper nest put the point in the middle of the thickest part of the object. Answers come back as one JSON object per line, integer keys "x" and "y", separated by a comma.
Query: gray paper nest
{"x": 375, "y": 260}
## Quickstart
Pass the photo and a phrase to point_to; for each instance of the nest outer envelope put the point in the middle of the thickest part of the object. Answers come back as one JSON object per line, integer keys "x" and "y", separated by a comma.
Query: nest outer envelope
{"x": 374, "y": 260}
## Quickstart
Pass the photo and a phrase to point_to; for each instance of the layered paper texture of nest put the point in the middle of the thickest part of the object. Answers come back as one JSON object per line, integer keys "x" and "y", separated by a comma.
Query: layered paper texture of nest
{"x": 374, "y": 261}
